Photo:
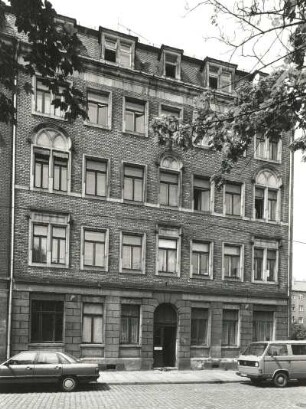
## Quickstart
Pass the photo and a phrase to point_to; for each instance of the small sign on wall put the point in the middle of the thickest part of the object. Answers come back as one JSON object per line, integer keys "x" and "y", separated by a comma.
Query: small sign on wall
{"x": 158, "y": 348}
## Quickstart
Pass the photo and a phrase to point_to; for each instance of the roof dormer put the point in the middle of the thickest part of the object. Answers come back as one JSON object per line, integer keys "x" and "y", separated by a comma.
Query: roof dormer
{"x": 220, "y": 76}
{"x": 117, "y": 48}
{"x": 171, "y": 61}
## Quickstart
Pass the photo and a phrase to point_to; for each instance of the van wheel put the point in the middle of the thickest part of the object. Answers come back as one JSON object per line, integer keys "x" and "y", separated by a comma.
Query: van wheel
{"x": 68, "y": 384}
{"x": 280, "y": 379}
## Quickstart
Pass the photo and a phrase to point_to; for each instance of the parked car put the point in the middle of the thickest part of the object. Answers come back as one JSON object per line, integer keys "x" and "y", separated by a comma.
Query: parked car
{"x": 278, "y": 361}
{"x": 47, "y": 367}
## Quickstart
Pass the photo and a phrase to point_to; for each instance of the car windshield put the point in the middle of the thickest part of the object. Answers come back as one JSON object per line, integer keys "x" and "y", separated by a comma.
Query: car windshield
{"x": 69, "y": 358}
{"x": 255, "y": 349}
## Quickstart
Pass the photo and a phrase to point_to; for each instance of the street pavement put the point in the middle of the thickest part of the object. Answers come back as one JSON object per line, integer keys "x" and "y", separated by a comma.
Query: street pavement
{"x": 207, "y": 389}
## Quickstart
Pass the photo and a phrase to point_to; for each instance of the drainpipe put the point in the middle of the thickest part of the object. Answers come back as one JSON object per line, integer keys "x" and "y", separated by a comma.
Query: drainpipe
{"x": 290, "y": 233}
{"x": 12, "y": 236}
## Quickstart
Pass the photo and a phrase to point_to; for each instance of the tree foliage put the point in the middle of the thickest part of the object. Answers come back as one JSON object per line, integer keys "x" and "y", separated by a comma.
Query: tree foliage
{"x": 298, "y": 331}
{"x": 44, "y": 44}
{"x": 263, "y": 104}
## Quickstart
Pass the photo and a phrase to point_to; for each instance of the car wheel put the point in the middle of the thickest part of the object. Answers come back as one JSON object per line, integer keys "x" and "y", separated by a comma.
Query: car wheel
{"x": 280, "y": 379}
{"x": 68, "y": 384}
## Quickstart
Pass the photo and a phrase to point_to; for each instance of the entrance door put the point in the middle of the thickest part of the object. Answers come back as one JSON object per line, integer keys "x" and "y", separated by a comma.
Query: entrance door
{"x": 165, "y": 328}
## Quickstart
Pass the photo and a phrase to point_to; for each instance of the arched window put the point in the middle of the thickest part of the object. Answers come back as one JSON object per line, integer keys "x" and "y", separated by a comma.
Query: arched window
{"x": 267, "y": 196}
{"x": 170, "y": 181}
{"x": 51, "y": 160}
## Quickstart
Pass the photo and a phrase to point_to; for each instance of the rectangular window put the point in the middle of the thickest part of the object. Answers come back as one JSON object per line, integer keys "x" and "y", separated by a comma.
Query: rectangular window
{"x": 129, "y": 329}
{"x": 135, "y": 116}
{"x": 39, "y": 249}
{"x": 167, "y": 110}
{"x": 133, "y": 183}
{"x": 268, "y": 148}
{"x": 259, "y": 203}
{"x": 49, "y": 239}
{"x": 233, "y": 199}
{"x": 301, "y": 320}
{"x": 47, "y": 321}
{"x": 132, "y": 249}
{"x": 44, "y": 98}
{"x": 272, "y": 204}
{"x": 219, "y": 78}
{"x": 201, "y": 194}
{"x": 263, "y": 325}
{"x": 50, "y": 170}
{"x": 199, "y": 325}
{"x": 169, "y": 188}
{"x": 41, "y": 169}
{"x": 172, "y": 65}
{"x": 232, "y": 260}
{"x": 96, "y": 178}
{"x": 301, "y": 308}
{"x": 60, "y": 172}
{"x": 298, "y": 349}
{"x": 200, "y": 258}
{"x": 118, "y": 51}
{"x": 58, "y": 252}
{"x": 230, "y": 328}
{"x": 94, "y": 248}
{"x": 92, "y": 332}
{"x": 98, "y": 106}
{"x": 265, "y": 261}
{"x": 167, "y": 255}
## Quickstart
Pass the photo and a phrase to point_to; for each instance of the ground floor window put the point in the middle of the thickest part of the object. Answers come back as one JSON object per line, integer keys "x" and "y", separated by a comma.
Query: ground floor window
{"x": 92, "y": 323}
{"x": 199, "y": 321}
{"x": 263, "y": 326}
{"x": 230, "y": 328}
{"x": 47, "y": 321}
{"x": 129, "y": 330}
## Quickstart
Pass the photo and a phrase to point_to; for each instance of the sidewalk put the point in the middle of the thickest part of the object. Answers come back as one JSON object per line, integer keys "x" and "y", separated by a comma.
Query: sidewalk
{"x": 171, "y": 376}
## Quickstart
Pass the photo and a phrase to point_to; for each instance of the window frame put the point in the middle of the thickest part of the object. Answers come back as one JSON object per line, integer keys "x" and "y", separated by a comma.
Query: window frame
{"x": 142, "y": 269}
{"x": 206, "y": 342}
{"x": 210, "y": 260}
{"x": 165, "y": 106}
{"x": 178, "y": 195}
{"x": 102, "y": 315}
{"x": 139, "y": 326}
{"x": 145, "y": 103}
{"x": 237, "y": 329}
{"x": 61, "y": 116}
{"x": 240, "y": 277}
{"x": 174, "y": 234}
{"x": 44, "y": 219}
{"x": 99, "y": 160}
{"x": 266, "y": 188}
{"x": 144, "y": 170}
{"x": 265, "y": 246}
{"x": 218, "y": 75}
{"x": 84, "y": 266}
{"x": 177, "y": 65}
{"x": 109, "y": 96}
{"x": 273, "y": 324}
{"x": 118, "y": 40}
{"x": 266, "y": 148}
{"x": 211, "y": 193}
{"x": 242, "y": 199}
{"x": 53, "y": 322}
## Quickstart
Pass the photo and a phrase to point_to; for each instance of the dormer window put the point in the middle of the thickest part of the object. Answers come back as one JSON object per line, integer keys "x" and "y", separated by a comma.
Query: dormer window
{"x": 172, "y": 65}
{"x": 118, "y": 51}
{"x": 219, "y": 78}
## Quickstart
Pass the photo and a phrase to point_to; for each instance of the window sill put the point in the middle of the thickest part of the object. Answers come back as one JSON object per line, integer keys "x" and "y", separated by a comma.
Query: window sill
{"x": 136, "y": 202}
{"x": 264, "y": 282}
{"x": 201, "y": 277}
{"x": 230, "y": 346}
{"x": 130, "y": 272}
{"x": 92, "y": 345}
{"x": 201, "y": 211}
{"x": 94, "y": 197}
{"x": 94, "y": 268}
{"x": 57, "y": 266}
{"x": 200, "y": 346}
{"x": 93, "y": 125}
{"x": 57, "y": 192}
{"x": 49, "y": 116}
{"x": 46, "y": 344}
{"x": 167, "y": 275}
{"x": 116, "y": 64}
{"x": 129, "y": 346}
{"x": 232, "y": 278}
{"x": 267, "y": 221}
{"x": 233, "y": 216}
{"x": 278, "y": 162}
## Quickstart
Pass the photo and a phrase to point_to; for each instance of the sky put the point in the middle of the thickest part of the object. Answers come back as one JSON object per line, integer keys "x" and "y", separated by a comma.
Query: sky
{"x": 171, "y": 22}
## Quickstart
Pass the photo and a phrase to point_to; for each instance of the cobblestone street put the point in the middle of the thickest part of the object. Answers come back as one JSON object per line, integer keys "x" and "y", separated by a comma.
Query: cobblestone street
{"x": 241, "y": 395}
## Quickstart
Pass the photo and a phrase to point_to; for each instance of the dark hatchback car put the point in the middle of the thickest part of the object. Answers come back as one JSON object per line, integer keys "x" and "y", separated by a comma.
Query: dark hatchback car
{"x": 47, "y": 367}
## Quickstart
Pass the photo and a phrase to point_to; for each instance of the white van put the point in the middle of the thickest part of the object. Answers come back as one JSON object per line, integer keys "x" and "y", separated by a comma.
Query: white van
{"x": 274, "y": 360}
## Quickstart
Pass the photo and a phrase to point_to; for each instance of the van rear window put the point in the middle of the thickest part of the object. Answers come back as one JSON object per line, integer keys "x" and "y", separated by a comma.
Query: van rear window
{"x": 298, "y": 349}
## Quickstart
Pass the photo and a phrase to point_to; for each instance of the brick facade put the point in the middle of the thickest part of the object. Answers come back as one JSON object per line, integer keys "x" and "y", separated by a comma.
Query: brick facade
{"x": 74, "y": 286}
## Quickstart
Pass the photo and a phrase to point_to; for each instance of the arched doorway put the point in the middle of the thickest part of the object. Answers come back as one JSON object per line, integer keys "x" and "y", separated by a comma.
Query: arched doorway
{"x": 165, "y": 328}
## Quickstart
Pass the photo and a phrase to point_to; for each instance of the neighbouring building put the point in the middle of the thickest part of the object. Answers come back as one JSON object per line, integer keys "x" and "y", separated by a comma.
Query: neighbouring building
{"x": 298, "y": 302}
{"x": 125, "y": 252}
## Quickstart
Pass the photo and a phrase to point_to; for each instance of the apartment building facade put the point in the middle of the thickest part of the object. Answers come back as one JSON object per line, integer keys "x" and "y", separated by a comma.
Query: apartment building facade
{"x": 124, "y": 251}
{"x": 298, "y": 302}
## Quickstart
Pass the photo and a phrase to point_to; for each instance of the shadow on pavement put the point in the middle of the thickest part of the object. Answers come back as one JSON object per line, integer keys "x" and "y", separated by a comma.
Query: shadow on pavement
{"x": 45, "y": 388}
